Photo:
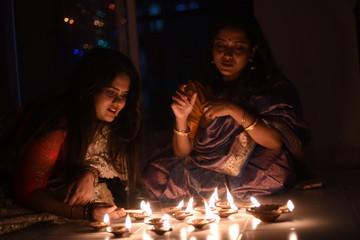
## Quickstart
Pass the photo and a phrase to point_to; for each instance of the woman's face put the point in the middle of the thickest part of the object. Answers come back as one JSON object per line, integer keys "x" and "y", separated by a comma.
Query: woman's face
{"x": 231, "y": 52}
{"x": 110, "y": 101}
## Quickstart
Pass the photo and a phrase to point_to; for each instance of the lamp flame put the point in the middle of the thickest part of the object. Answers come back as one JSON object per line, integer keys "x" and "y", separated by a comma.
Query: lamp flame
{"x": 165, "y": 217}
{"x": 166, "y": 225}
{"x": 128, "y": 222}
{"x": 214, "y": 197}
{"x": 180, "y": 205}
{"x": 290, "y": 205}
{"x": 230, "y": 200}
{"x": 106, "y": 218}
{"x": 146, "y": 207}
{"x": 255, "y": 202}
{"x": 208, "y": 213}
{"x": 189, "y": 207}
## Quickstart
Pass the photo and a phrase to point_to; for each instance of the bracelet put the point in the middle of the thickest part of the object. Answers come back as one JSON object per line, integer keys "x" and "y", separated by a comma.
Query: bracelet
{"x": 93, "y": 171}
{"x": 72, "y": 212}
{"x": 182, "y": 132}
{"x": 252, "y": 126}
{"x": 86, "y": 214}
{"x": 243, "y": 118}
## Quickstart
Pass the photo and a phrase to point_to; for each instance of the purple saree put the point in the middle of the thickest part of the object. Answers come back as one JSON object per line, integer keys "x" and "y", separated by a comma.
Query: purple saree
{"x": 224, "y": 154}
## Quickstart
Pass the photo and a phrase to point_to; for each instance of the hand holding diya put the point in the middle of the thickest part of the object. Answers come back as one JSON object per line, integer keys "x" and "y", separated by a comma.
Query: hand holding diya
{"x": 269, "y": 212}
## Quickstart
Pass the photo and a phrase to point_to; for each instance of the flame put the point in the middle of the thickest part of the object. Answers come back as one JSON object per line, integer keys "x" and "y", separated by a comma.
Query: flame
{"x": 106, "y": 218}
{"x": 189, "y": 207}
{"x": 108, "y": 229}
{"x": 128, "y": 222}
{"x": 230, "y": 200}
{"x": 208, "y": 213}
{"x": 180, "y": 205}
{"x": 290, "y": 205}
{"x": 255, "y": 202}
{"x": 212, "y": 199}
{"x": 166, "y": 225}
{"x": 146, "y": 207}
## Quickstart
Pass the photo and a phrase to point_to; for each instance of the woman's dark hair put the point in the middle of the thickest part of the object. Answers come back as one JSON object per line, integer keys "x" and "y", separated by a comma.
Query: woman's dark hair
{"x": 251, "y": 81}
{"x": 95, "y": 71}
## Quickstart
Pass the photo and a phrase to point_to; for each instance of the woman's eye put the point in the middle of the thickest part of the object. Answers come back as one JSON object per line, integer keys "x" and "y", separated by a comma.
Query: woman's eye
{"x": 109, "y": 92}
{"x": 220, "y": 46}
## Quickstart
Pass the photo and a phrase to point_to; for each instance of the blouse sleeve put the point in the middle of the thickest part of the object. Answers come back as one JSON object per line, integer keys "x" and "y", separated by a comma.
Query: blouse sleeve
{"x": 37, "y": 161}
{"x": 197, "y": 112}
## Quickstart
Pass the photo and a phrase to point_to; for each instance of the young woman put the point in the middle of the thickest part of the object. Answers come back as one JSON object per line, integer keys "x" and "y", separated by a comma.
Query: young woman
{"x": 78, "y": 143}
{"x": 238, "y": 122}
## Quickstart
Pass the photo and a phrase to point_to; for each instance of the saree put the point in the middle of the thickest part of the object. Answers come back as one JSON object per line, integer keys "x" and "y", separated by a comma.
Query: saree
{"x": 225, "y": 156}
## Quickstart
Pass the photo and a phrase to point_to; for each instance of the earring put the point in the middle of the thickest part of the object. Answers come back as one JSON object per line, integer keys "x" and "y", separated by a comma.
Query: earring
{"x": 252, "y": 67}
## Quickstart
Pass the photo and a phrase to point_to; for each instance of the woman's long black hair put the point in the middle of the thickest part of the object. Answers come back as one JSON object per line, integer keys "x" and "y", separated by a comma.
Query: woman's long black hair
{"x": 250, "y": 81}
{"x": 75, "y": 105}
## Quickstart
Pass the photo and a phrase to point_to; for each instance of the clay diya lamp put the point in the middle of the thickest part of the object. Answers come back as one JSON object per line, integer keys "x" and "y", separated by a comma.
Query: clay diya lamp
{"x": 139, "y": 216}
{"x": 181, "y": 215}
{"x": 161, "y": 229}
{"x": 199, "y": 223}
{"x": 224, "y": 205}
{"x": 266, "y": 212}
{"x": 119, "y": 231}
{"x": 98, "y": 226}
{"x": 153, "y": 221}
{"x": 224, "y": 213}
{"x": 171, "y": 210}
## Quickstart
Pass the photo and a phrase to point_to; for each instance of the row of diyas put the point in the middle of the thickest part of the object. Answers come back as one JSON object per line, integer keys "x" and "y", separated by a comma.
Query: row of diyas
{"x": 212, "y": 210}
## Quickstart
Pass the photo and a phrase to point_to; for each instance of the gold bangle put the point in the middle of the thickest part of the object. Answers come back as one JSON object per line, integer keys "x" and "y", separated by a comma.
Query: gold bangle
{"x": 182, "y": 132}
{"x": 252, "y": 126}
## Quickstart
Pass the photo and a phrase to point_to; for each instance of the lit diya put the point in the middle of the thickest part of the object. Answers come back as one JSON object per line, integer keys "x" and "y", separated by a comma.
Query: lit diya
{"x": 269, "y": 212}
{"x": 162, "y": 228}
{"x": 171, "y": 210}
{"x": 181, "y": 215}
{"x": 157, "y": 221}
{"x": 121, "y": 231}
{"x": 199, "y": 223}
{"x": 141, "y": 214}
{"x": 100, "y": 225}
{"x": 224, "y": 213}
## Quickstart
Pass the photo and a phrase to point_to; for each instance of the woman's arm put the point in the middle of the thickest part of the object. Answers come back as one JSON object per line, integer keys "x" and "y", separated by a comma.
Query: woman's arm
{"x": 255, "y": 127}
{"x": 182, "y": 106}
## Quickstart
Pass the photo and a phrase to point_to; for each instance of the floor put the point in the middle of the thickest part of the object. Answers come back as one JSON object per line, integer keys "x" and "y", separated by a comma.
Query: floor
{"x": 330, "y": 212}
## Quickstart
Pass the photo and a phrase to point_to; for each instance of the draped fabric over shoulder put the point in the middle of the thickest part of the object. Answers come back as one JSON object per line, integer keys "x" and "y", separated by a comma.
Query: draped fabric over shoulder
{"x": 225, "y": 155}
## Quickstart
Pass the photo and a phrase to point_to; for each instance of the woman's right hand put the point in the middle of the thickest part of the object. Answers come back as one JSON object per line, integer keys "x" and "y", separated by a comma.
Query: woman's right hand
{"x": 182, "y": 103}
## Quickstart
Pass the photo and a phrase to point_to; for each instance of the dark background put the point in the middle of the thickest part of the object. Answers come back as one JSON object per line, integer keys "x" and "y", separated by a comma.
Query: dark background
{"x": 314, "y": 42}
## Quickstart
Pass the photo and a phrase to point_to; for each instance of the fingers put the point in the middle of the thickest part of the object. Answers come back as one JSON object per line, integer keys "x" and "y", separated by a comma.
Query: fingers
{"x": 117, "y": 213}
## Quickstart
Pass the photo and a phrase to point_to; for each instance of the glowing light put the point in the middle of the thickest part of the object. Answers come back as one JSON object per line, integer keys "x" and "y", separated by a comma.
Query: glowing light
{"x": 146, "y": 207}
{"x": 66, "y": 19}
{"x": 180, "y": 7}
{"x": 128, "y": 221}
{"x": 194, "y": 5}
{"x": 208, "y": 213}
{"x": 183, "y": 234}
{"x": 76, "y": 51}
{"x": 214, "y": 197}
{"x": 180, "y": 205}
{"x": 189, "y": 207}
{"x": 71, "y": 21}
{"x": 106, "y": 218}
{"x": 165, "y": 217}
{"x": 290, "y": 205}
{"x": 230, "y": 200}
{"x": 111, "y": 6}
{"x": 255, "y": 222}
{"x": 255, "y": 202}
{"x": 234, "y": 231}
{"x": 293, "y": 236}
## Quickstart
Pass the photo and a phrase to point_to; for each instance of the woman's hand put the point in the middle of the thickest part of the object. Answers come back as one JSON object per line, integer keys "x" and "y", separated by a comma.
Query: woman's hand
{"x": 214, "y": 109}
{"x": 81, "y": 190}
{"x": 99, "y": 210}
{"x": 182, "y": 104}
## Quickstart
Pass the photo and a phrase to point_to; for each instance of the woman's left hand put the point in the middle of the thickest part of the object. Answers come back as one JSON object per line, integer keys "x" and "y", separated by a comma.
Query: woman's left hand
{"x": 81, "y": 190}
{"x": 214, "y": 109}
